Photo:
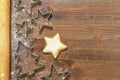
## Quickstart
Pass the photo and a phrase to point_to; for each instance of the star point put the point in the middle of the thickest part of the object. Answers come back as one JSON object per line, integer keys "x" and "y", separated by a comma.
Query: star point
{"x": 54, "y": 45}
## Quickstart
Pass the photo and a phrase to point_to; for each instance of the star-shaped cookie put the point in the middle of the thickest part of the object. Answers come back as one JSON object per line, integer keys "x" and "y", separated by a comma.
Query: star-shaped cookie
{"x": 54, "y": 45}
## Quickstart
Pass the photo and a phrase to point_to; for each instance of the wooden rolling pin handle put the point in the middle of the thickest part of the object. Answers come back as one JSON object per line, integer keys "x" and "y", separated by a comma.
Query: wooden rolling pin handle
{"x": 4, "y": 39}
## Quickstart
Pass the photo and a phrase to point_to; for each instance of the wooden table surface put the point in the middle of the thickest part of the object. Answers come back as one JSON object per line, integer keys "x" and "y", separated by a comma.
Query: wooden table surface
{"x": 91, "y": 29}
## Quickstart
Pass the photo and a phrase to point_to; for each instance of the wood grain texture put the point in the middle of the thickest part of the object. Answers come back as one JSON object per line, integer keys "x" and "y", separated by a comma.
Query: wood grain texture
{"x": 91, "y": 29}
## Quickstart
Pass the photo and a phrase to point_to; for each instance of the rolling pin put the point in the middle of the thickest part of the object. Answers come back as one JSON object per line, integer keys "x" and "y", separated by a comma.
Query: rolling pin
{"x": 4, "y": 39}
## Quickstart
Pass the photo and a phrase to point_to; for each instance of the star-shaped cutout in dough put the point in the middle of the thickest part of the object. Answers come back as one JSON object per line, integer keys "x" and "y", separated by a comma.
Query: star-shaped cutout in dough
{"x": 61, "y": 75}
{"x": 54, "y": 45}
{"x": 43, "y": 18}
